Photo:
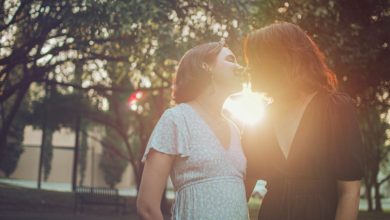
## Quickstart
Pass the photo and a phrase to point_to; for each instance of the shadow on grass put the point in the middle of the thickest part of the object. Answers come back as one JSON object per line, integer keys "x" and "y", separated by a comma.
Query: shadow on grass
{"x": 19, "y": 203}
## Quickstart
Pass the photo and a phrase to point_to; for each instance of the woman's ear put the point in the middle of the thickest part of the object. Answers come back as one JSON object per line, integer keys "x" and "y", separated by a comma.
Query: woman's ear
{"x": 206, "y": 67}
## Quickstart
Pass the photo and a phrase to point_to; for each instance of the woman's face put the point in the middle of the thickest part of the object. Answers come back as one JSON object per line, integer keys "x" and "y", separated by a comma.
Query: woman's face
{"x": 227, "y": 72}
{"x": 267, "y": 76}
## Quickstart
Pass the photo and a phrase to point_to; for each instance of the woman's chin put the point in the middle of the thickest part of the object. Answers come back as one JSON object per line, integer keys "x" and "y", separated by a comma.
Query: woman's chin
{"x": 234, "y": 91}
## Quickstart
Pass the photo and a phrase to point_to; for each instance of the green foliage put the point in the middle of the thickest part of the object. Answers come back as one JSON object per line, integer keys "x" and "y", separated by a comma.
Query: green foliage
{"x": 11, "y": 157}
{"x": 111, "y": 163}
{"x": 95, "y": 53}
{"x": 47, "y": 153}
{"x": 82, "y": 163}
{"x": 9, "y": 160}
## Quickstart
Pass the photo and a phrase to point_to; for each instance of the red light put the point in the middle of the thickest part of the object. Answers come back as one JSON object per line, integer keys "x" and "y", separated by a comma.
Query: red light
{"x": 135, "y": 97}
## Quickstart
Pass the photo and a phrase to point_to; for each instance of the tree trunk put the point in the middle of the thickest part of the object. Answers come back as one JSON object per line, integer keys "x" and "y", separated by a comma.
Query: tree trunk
{"x": 376, "y": 185}
{"x": 378, "y": 202}
{"x": 368, "y": 194}
{"x": 11, "y": 116}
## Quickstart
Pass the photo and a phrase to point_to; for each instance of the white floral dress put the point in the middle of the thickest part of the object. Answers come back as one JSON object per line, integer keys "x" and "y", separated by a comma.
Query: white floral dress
{"x": 207, "y": 178}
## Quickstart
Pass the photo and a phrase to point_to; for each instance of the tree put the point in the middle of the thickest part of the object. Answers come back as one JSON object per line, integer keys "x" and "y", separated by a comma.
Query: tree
{"x": 111, "y": 164}
{"x": 109, "y": 45}
{"x": 374, "y": 125}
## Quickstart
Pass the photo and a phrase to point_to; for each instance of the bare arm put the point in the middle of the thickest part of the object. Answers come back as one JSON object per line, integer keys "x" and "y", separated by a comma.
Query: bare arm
{"x": 348, "y": 202}
{"x": 250, "y": 183}
{"x": 154, "y": 178}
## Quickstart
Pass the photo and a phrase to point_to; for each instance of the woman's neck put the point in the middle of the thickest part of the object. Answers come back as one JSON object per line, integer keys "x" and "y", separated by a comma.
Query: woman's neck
{"x": 212, "y": 103}
{"x": 291, "y": 101}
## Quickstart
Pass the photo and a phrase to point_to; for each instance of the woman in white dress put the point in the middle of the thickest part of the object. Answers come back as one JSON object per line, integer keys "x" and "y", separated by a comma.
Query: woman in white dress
{"x": 195, "y": 145}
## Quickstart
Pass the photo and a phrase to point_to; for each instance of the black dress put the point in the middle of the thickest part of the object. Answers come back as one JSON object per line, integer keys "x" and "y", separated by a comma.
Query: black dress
{"x": 326, "y": 148}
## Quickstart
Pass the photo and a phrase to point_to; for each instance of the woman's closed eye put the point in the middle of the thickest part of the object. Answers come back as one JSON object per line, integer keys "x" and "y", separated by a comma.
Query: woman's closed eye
{"x": 231, "y": 58}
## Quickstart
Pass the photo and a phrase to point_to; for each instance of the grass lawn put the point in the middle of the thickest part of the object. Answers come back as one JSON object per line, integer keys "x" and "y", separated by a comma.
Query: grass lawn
{"x": 19, "y": 203}
{"x": 33, "y": 204}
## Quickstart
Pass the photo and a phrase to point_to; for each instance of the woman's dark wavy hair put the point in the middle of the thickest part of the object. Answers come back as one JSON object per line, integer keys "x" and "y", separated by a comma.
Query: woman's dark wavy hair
{"x": 191, "y": 76}
{"x": 285, "y": 44}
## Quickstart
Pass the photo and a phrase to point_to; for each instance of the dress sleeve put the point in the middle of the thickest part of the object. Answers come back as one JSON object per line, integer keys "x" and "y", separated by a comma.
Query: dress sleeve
{"x": 346, "y": 141}
{"x": 169, "y": 136}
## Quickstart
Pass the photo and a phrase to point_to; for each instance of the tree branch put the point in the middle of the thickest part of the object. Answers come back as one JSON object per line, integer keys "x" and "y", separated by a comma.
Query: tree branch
{"x": 384, "y": 180}
{"x": 14, "y": 17}
{"x": 107, "y": 146}
{"x": 97, "y": 87}
{"x": 36, "y": 74}
{"x": 93, "y": 55}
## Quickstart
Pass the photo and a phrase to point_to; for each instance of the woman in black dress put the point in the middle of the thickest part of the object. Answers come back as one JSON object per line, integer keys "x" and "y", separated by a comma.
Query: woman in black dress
{"x": 308, "y": 148}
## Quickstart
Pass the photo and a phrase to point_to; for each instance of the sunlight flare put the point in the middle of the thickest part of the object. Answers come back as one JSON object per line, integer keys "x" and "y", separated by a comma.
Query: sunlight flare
{"x": 246, "y": 107}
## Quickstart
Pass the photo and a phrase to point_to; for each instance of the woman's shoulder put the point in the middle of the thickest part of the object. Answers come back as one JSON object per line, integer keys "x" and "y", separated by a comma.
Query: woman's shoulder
{"x": 174, "y": 113}
{"x": 340, "y": 105}
{"x": 337, "y": 99}
{"x": 341, "y": 97}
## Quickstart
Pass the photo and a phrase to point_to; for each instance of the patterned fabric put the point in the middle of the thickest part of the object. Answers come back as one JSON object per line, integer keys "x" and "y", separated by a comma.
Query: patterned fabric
{"x": 207, "y": 178}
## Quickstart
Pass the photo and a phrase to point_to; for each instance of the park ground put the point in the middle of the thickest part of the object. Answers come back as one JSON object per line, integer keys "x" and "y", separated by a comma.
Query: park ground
{"x": 19, "y": 203}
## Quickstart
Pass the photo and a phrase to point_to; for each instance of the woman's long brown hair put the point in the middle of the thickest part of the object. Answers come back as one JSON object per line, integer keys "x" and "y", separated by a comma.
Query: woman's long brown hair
{"x": 191, "y": 77}
{"x": 289, "y": 55}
